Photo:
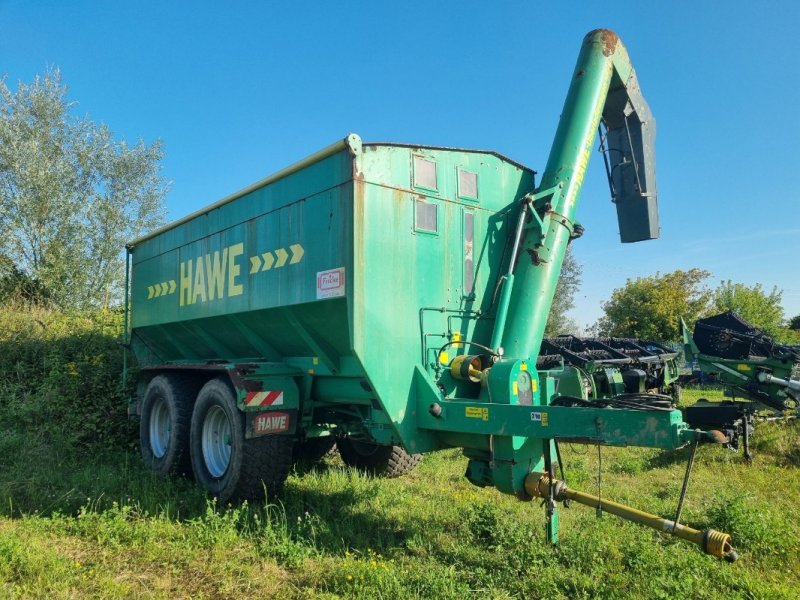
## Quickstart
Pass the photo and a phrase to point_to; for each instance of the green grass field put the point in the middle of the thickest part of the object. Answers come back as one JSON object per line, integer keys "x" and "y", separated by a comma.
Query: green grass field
{"x": 77, "y": 524}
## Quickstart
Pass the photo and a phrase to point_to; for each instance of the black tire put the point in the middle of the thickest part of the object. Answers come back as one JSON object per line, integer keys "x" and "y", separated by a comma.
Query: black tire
{"x": 313, "y": 450}
{"x": 677, "y": 394}
{"x": 228, "y": 466}
{"x": 164, "y": 424}
{"x": 377, "y": 460}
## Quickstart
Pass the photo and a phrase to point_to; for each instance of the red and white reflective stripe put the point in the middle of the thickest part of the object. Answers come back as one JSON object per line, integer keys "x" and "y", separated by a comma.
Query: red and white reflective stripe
{"x": 269, "y": 398}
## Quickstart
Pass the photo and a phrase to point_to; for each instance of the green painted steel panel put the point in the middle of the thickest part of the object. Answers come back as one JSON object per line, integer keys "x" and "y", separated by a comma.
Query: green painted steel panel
{"x": 406, "y": 270}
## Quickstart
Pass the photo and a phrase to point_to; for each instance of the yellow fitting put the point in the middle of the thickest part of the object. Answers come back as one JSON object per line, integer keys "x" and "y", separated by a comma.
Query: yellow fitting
{"x": 718, "y": 544}
{"x": 467, "y": 367}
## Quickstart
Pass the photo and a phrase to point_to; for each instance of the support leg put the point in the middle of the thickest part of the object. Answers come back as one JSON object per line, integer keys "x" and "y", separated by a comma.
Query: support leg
{"x": 551, "y": 510}
{"x": 747, "y": 419}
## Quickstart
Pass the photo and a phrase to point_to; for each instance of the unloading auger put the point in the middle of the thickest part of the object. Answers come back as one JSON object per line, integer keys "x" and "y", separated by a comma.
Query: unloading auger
{"x": 511, "y": 432}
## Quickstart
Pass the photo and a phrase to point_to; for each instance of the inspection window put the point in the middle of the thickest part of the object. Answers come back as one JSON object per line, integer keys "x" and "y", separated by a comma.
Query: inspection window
{"x": 425, "y": 173}
{"x": 469, "y": 263}
{"x": 426, "y": 216}
{"x": 467, "y": 185}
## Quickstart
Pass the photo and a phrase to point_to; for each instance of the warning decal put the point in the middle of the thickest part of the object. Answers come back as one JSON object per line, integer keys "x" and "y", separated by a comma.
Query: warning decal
{"x": 477, "y": 412}
{"x": 268, "y": 398}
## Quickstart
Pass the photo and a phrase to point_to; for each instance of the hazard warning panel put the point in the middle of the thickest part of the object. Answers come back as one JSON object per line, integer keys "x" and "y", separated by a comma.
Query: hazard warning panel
{"x": 267, "y": 398}
{"x": 330, "y": 284}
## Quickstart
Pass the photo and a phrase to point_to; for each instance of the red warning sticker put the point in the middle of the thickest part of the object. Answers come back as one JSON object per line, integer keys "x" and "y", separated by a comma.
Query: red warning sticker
{"x": 268, "y": 398}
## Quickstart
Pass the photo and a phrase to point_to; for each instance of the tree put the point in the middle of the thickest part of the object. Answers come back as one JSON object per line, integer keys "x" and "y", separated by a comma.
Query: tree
{"x": 651, "y": 307}
{"x": 70, "y": 195}
{"x": 794, "y": 322}
{"x": 18, "y": 287}
{"x": 564, "y": 299}
{"x": 752, "y": 304}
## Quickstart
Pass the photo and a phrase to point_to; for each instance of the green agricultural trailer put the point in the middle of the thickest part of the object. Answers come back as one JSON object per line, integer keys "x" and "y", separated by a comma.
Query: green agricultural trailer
{"x": 393, "y": 297}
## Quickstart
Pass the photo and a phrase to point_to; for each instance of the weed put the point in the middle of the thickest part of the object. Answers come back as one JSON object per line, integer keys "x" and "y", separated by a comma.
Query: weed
{"x": 755, "y": 527}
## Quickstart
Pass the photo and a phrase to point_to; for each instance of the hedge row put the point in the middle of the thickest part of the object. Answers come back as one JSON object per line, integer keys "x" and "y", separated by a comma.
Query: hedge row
{"x": 61, "y": 375}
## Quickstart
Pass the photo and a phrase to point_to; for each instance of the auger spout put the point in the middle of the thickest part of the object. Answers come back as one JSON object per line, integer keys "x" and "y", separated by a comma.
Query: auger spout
{"x": 604, "y": 88}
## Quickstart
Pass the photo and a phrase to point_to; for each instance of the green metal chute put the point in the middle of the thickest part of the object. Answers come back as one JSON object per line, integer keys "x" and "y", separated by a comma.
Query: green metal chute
{"x": 604, "y": 86}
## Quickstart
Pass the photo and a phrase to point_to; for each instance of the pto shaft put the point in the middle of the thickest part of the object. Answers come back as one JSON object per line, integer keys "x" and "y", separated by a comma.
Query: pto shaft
{"x": 711, "y": 541}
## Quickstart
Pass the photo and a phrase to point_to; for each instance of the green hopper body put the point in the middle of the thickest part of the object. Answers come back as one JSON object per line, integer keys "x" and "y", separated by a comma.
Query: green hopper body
{"x": 352, "y": 270}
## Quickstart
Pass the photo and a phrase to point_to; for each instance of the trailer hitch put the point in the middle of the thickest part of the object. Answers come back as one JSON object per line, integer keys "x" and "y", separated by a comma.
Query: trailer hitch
{"x": 710, "y": 436}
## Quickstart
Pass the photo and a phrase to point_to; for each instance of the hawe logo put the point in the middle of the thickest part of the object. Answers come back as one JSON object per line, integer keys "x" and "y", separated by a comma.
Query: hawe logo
{"x": 274, "y": 422}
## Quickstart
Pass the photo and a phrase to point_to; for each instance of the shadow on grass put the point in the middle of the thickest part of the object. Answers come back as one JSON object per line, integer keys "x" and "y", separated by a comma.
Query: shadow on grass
{"x": 37, "y": 477}
{"x": 304, "y": 467}
{"x": 668, "y": 458}
{"x": 344, "y": 519}
{"x": 327, "y": 508}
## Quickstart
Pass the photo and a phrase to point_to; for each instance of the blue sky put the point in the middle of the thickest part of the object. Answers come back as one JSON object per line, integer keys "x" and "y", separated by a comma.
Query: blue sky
{"x": 237, "y": 90}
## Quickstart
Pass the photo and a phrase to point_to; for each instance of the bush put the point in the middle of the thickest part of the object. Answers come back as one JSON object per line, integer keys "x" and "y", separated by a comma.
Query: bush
{"x": 60, "y": 375}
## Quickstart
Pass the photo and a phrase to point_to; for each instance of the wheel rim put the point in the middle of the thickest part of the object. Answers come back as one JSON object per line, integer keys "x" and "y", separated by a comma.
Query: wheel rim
{"x": 216, "y": 441}
{"x": 160, "y": 428}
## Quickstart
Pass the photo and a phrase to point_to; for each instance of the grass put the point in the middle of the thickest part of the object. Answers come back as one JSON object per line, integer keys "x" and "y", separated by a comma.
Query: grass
{"x": 97, "y": 525}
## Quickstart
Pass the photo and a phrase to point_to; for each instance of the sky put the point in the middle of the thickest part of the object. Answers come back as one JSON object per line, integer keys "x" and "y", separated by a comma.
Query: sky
{"x": 238, "y": 90}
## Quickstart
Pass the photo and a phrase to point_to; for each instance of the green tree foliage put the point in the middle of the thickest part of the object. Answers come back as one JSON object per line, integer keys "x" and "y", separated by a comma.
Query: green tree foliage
{"x": 794, "y": 323}
{"x": 70, "y": 194}
{"x": 651, "y": 307}
{"x": 753, "y": 304}
{"x": 20, "y": 288}
{"x": 60, "y": 375}
{"x": 564, "y": 299}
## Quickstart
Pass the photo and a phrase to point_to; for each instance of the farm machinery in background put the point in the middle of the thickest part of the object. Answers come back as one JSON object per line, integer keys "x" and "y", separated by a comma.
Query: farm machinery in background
{"x": 759, "y": 374}
{"x": 598, "y": 368}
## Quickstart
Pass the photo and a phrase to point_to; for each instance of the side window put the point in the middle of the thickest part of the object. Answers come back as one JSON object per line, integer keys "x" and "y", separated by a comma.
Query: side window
{"x": 426, "y": 216}
{"x": 469, "y": 263}
{"x": 425, "y": 174}
{"x": 467, "y": 185}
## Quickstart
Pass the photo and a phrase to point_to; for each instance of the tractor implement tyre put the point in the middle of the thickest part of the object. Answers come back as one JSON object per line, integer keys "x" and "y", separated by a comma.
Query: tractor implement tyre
{"x": 313, "y": 450}
{"x": 164, "y": 424}
{"x": 377, "y": 460}
{"x": 677, "y": 393}
{"x": 228, "y": 466}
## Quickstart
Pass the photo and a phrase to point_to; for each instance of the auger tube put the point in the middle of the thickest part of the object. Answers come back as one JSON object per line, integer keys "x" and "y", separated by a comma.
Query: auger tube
{"x": 604, "y": 85}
